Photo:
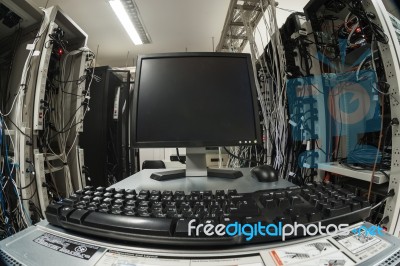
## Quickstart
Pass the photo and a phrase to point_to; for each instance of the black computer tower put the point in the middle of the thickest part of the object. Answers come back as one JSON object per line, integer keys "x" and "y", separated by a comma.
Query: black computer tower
{"x": 105, "y": 134}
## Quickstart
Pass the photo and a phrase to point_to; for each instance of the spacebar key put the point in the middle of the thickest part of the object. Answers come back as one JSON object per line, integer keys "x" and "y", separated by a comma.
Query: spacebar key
{"x": 129, "y": 224}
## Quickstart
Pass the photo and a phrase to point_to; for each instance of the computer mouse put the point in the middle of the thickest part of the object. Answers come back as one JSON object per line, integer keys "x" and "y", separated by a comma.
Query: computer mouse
{"x": 265, "y": 173}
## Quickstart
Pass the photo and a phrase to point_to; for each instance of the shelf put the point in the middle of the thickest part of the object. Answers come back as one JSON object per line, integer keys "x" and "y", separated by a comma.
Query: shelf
{"x": 234, "y": 34}
{"x": 336, "y": 168}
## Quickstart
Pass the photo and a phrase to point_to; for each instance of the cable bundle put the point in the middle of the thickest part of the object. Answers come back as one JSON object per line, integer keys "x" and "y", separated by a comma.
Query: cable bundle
{"x": 59, "y": 134}
{"x": 271, "y": 93}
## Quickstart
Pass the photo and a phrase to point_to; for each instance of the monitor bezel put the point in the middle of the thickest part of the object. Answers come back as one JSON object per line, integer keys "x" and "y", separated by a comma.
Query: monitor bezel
{"x": 174, "y": 144}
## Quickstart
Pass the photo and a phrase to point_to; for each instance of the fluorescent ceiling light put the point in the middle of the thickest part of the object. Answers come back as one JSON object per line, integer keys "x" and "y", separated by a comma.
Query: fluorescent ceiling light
{"x": 123, "y": 17}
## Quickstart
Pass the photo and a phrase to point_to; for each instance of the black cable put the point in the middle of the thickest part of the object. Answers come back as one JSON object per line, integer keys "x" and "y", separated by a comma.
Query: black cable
{"x": 360, "y": 12}
{"x": 26, "y": 135}
{"x": 377, "y": 213}
{"x": 63, "y": 130}
{"x": 73, "y": 94}
{"x": 30, "y": 183}
{"x": 241, "y": 158}
{"x": 36, "y": 209}
{"x": 179, "y": 157}
{"x": 390, "y": 194}
{"x": 34, "y": 193}
{"x": 362, "y": 167}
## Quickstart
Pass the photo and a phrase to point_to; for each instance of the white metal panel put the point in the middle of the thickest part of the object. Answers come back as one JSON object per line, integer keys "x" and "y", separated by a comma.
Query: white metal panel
{"x": 391, "y": 58}
{"x": 40, "y": 180}
{"x": 45, "y": 53}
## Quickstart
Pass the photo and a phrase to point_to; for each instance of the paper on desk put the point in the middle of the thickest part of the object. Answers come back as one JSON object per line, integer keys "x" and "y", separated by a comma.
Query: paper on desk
{"x": 319, "y": 252}
{"x": 115, "y": 258}
{"x": 238, "y": 261}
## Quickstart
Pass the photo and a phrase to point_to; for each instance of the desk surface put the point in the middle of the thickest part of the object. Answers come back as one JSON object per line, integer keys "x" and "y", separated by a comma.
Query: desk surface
{"x": 43, "y": 245}
{"x": 244, "y": 184}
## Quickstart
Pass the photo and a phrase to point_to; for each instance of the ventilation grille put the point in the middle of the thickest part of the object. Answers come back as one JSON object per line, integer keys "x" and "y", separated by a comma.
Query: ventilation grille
{"x": 6, "y": 260}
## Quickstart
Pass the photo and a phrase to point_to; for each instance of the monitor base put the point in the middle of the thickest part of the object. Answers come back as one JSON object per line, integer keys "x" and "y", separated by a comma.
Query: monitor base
{"x": 181, "y": 173}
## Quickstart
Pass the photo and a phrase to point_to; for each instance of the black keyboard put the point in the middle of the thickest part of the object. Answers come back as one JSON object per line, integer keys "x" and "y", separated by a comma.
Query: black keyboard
{"x": 162, "y": 217}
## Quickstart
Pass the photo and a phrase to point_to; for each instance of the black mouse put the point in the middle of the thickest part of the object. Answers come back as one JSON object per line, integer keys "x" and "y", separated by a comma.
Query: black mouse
{"x": 265, "y": 173}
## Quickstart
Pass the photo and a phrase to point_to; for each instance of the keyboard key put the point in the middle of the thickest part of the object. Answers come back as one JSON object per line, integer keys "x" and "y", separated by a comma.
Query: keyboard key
{"x": 100, "y": 189}
{"x": 167, "y": 193}
{"x": 270, "y": 203}
{"x": 131, "y": 202}
{"x": 107, "y": 200}
{"x": 87, "y": 198}
{"x": 130, "y": 191}
{"x": 130, "y": 196}
{"x": 130, "y": 213}
{"x": 181, "y": 229}
{"x": 142, "y": 197}
{"x": 54, "y": 208}
{"x": 68, "y": 202}
{"x": 79, "y": 192}
{"x": 75, "y": 197}
{"x": 154, "y": 198}
{"x": 119, "y": 191}
{"x": 144, "y": 192}
{"x": 294, "y": 200}
{"x": 110, "y": 190}
{"x": 128, "y": 224}
{"x": 314, "y": 216}
{"x": 220, "y": 193}
{"x": 98, "y": 199}
{"x": 179, "y": 193}
{"x": 155, "y": 193}
{"x": 232, "y": 192}
{"x": 283, "y": 203}
{"x": 77, "y": 216}
{"x": 331, "y": 212}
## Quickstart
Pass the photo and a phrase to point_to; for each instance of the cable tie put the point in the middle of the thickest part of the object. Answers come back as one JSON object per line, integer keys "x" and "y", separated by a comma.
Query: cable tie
{"x": 292, "y": 123}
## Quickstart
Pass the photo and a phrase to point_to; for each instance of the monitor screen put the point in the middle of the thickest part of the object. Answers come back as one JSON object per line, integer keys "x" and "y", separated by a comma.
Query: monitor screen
{"x": 195, "y": 100}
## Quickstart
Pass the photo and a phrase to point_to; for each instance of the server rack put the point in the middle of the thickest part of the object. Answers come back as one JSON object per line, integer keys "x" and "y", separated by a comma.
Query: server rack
{"x": 105, "y": 135}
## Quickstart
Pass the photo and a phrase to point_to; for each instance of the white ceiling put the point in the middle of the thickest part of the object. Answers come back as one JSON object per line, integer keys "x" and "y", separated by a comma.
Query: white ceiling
{"x": 173, "y": 26}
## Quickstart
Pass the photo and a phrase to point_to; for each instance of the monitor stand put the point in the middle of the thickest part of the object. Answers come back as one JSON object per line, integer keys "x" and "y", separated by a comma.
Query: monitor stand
{"x": 196, "y": 166}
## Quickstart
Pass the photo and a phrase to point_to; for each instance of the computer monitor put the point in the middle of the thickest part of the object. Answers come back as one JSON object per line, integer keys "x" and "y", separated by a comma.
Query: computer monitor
{"x": 195, "y": 100}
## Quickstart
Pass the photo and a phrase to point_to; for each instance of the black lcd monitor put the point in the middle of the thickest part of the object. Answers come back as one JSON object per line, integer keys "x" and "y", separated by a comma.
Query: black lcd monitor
{"x": 195, "y": 100}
